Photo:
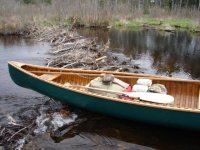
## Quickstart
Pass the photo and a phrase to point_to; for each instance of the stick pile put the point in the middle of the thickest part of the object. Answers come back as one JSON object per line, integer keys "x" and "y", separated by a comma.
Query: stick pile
{"x": 70, "y": 50}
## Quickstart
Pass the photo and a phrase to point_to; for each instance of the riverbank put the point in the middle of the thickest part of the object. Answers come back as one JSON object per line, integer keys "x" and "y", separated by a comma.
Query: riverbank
{"x": 95, "y": 14}
{"x": 166, "y": 24}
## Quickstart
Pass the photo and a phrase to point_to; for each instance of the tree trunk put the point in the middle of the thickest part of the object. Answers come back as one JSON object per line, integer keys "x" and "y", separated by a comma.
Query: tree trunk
{"x": 187, "y": 2}
{"x": 139, "y": 5}
{"x": 172, "y": 4}
{"x": 199, "y": 5}
{"x": 180, "y": 4}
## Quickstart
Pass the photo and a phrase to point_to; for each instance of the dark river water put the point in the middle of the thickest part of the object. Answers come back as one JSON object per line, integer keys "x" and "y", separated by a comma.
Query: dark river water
{"x": 173, "y": 54}
{"x": 13, "y": 97}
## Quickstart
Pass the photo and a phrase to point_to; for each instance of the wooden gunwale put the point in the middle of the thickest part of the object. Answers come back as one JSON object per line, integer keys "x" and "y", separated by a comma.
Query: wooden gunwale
{"x": 153, "y": 105}
{"x": 118, "y": 76}
{"x": 62, "y": 70}
{"x": 86, "y": 74}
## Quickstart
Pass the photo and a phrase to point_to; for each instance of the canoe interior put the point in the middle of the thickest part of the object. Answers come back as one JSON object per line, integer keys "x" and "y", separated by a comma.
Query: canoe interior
{"x": 186, "y": 93}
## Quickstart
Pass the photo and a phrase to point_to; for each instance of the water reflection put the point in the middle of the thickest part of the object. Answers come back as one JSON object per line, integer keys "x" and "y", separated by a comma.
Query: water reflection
{"x": 12, "y": 97}
{"x": 173, "y": 54}
{"x": 99, "y": 129}
{"x": 14, "y": 40}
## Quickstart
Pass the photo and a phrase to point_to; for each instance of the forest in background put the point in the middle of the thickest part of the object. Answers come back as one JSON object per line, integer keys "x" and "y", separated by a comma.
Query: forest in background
{"x": 19, "y": 14}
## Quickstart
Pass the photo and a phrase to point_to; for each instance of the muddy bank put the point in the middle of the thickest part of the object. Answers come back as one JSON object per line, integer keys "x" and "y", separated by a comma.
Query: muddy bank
{"x": 18, "y": 32}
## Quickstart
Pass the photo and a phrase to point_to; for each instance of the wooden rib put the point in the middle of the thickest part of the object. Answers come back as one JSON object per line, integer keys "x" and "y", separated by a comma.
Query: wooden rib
{"x": 174, "y": 94}
{"x": 199, "y": 100}
{"x": 172, "y": 90}
{"x": 188, "y": 100}
{"x": 179, "y": 90}
{"x": 183, "y": 96}
{"x": 194, "y": 96}
{"x": 178, "y": 95}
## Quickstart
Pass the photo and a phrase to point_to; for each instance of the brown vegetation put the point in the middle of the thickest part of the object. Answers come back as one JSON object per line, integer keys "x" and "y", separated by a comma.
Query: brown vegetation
{"x": 16, "y": 16}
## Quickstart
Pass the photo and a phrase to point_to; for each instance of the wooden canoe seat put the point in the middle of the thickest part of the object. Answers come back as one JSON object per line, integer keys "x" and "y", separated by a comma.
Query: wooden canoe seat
{"x": 49, "y": 77}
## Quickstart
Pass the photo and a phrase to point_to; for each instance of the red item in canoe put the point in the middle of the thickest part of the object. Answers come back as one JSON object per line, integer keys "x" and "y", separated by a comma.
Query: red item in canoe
{"x": 128, "y": 89}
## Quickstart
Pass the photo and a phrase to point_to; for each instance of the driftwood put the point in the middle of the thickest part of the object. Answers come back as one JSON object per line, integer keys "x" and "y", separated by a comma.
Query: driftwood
{"x": 20, "y": 131}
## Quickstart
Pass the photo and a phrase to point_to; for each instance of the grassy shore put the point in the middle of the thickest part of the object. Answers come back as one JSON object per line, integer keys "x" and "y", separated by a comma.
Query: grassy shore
{"x": 168, "y": 24}
{"x": 17, "y": 17}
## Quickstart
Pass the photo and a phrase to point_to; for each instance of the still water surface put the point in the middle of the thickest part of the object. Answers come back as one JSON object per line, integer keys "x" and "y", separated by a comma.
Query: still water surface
{"x": 173, "y": 54}
{"x": 12, "y": 97}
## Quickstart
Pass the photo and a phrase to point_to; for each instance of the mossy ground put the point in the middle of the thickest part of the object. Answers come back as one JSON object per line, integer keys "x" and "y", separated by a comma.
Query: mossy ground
{"x": 163, "y": 24}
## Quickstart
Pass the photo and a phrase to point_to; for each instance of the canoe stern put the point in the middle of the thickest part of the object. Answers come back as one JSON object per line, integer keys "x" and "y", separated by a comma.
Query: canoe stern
{"x": 17, "y": 75}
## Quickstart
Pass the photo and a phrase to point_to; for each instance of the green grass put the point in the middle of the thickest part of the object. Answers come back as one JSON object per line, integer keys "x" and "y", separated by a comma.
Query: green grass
{"x": 183, "y": 24}
{"x": 129, "y": 28}
{"x": 163, "y": 24}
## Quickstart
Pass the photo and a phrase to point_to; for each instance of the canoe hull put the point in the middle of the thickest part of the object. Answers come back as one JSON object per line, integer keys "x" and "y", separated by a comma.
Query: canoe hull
{"x": 166, "y": 117}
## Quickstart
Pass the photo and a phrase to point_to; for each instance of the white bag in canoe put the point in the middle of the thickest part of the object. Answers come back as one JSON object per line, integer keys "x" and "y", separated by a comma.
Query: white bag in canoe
{"x": 151, "y": 97}
{"x": 145, "y": 96}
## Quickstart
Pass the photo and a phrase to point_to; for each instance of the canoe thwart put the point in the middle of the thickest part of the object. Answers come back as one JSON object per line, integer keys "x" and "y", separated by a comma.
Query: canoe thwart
{"x": 49, "y": 77}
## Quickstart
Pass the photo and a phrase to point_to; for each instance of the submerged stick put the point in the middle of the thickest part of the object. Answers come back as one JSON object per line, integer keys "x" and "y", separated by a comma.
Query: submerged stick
{"x": 2, "y": 131}
{"x": 20, "y": 131}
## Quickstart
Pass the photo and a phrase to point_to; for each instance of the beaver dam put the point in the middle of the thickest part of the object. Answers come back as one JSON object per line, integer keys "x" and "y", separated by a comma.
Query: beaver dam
{"x": 130, "y": 51}
{"x": 70, "y": 50}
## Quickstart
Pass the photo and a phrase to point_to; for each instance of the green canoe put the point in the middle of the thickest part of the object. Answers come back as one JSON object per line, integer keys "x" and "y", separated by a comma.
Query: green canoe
{"x": 183, "y": 113}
